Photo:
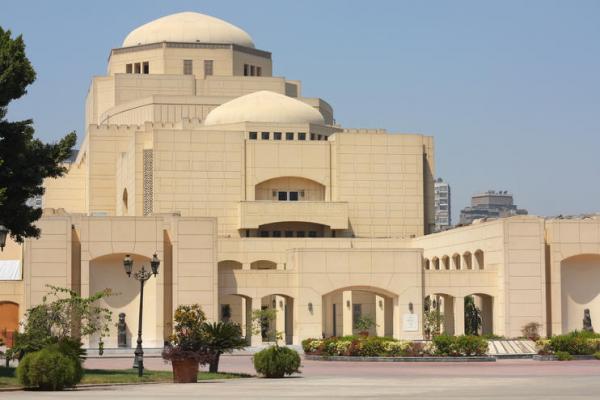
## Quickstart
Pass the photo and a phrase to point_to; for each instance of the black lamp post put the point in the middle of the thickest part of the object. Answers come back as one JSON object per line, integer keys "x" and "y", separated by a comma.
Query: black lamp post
{"x": 142, "y": 276}
{"x": 3, "y": 235}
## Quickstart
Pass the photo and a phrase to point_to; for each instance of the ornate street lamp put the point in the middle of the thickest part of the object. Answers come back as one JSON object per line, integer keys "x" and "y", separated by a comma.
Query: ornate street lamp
{"x": 3, "y": 234}
{"x": 142, "y": 276}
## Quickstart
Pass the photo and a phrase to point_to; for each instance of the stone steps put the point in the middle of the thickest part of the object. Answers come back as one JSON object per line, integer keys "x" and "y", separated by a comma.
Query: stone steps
{"x": 515, "y": 348}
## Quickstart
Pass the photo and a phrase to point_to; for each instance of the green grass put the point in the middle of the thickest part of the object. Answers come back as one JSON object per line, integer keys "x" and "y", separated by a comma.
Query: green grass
{"x": 98, "y": 376}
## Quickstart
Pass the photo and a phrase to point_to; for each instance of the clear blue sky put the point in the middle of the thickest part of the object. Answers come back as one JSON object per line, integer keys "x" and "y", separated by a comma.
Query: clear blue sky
{"x": 509, "y": 89}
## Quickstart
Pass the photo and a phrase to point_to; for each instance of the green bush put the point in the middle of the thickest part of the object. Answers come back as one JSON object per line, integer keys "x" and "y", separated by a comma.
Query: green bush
{"x": 464, "y": 345}
{"x": 563, "y": 356}
{"x": 468, "y": 345}
{"x": 445, "y": 345}
{"x": 597, "y": 355}
{"x": 575, "y": 343}
{"x": 276, "y": 362}
{"x": 48, "y": 369}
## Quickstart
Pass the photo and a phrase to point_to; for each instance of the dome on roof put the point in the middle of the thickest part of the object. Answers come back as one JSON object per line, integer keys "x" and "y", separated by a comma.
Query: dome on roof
{"x": 188, "y": 27}
{"x": 264, "y": 106}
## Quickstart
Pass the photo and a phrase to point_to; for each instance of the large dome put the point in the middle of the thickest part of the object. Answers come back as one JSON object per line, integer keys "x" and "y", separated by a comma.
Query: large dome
{"x": 264, "y": 106}
{"x": 188, "y": 27}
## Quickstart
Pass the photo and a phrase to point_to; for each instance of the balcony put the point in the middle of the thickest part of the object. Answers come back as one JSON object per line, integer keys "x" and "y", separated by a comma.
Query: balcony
{"x": 253, "y": 214}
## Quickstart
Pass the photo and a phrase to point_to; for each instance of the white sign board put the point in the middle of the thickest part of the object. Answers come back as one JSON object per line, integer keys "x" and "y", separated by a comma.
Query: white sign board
{"x": 410, "y": 322}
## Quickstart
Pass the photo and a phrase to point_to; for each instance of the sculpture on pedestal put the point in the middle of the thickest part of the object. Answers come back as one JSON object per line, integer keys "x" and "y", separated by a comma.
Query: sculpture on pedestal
{"x": 122, "y": 331}
{"x": 587, "y": 321}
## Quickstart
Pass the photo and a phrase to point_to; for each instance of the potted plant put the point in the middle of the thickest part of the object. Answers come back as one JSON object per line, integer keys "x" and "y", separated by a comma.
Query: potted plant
{"x": 364, "y": 324}
{"x": 222, "y": 337}
{"x": 186, "y": 348}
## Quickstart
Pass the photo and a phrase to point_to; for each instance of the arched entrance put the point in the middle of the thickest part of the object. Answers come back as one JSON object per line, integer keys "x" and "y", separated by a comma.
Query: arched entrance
{"x": 438, "y": 314}
{"x": 343, "y": 308}
{"x": 479, "y": 317}
{"x": 580, "y": 290}
{"x": 9, "y": 321}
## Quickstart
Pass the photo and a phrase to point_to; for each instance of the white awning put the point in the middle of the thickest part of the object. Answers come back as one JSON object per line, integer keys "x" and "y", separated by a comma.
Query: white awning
{"x": 10, "y": 270}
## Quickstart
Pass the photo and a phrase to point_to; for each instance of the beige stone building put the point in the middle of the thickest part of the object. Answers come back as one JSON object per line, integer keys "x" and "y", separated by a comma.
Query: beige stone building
{"x": 253, "y": 197}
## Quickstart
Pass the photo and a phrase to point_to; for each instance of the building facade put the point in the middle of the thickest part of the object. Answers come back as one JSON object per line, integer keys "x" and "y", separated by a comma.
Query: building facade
{"x": 253, "y": 198}
{"x": 490, "y": 204}
{"x": 443, "y": 204}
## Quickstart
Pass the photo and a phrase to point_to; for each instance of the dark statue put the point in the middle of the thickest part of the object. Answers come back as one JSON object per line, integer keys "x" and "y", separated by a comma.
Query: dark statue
{"x": 587, "y": 321}
{"x": 122, "y": 331}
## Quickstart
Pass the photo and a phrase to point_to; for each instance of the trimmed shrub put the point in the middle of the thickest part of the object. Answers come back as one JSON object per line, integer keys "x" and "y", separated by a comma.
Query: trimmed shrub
{"x": 597, "y": 355}
{"x": 468, "y": 345}
{"x": 464, "y": 345}
{"x": 48, "y": 369}
{"x": 575, "y": 343}
{"x": 276, "y": 362}
{"x": 445, "y": 345}
{"x": 563, "y": 356}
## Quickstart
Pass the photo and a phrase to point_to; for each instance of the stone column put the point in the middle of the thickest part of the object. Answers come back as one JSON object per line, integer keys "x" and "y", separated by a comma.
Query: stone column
{"x": 280, "y": 317}
{"x": 396, "y": 318}
{"x": 347, "y": 323}
{"x": 380, "y": 315}
{"x": 459, "y": 315}
{"x": 255, "y": 336}
{"x": 448, "y": 312}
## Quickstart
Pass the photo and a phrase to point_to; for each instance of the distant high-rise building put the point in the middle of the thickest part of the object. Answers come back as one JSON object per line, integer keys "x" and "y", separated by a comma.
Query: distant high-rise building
{"x": 490, "y": 204}
{"x": 443, "y": 214}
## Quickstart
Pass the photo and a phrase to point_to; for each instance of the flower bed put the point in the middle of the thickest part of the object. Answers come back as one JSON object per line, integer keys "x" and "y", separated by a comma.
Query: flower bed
{"x": 358, "y": 346}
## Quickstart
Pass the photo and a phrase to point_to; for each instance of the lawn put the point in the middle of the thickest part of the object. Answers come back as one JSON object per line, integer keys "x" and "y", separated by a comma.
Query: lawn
{"x": 95, "y": 376}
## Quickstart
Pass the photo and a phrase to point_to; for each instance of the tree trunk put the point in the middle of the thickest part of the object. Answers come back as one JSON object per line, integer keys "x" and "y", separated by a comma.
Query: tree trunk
{"x": 213, "y": 366}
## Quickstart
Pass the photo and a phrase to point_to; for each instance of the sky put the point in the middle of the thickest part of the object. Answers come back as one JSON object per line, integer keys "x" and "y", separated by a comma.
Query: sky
{"x": 510, "y": 90}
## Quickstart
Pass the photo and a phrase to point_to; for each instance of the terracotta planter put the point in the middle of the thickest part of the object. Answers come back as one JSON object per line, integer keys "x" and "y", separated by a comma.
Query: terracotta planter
{"x": 185, "y": 371}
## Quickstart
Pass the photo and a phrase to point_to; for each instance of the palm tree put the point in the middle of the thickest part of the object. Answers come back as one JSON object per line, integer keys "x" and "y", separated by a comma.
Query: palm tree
{"x": 222, "y": 337}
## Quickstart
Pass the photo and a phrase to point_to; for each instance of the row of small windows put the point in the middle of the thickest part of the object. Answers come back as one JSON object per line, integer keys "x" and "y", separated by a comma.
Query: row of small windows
{"x": 252, "y": 70}
{"x": 288, "y": 136}
{"x": 138, "y": 68}
{"x": 188, "y": 67}
{"x": 288, "y": 234}
{"x": 457, "y": 262}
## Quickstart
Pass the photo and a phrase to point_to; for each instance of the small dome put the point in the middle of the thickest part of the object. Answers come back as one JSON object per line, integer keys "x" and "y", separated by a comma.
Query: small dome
{"x": 264, "y": 106}
{"x": 189, "y": 27}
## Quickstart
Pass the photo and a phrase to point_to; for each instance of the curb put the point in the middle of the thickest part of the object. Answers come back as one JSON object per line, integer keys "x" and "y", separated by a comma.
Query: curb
{"x": 401, "y": 359}
{"x": 539, "y": 357}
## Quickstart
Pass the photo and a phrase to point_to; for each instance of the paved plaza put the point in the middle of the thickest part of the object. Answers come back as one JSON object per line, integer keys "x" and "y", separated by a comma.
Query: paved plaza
{"x": 507, "y": 379}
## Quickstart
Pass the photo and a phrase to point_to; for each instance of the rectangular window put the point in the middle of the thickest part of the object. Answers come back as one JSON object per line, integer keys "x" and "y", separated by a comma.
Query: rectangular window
{"x": 208, "y": 67}
{"x": 128, "y": 68}
{"x": 300, "y": 234}
{"x": 312, "y": 233}
{"x": 282, "y": 196}
{"x": 289, "y": 136}
{"x": 276, "y": 233}
{"x": 137, "y": 68}
{"x": 319, "y": 137}
{"x": 264, "y": 233}
{"x": 246, "y": 69}
{"x": 289, "y": 233}
{"x": 252, "y": 72}
{"x": 253, "y": 135}
{"x": 313, "y": 136}
{"x": 301, "y": 136}
{"x": 277, "y": 136}
{"x": 187, "y": 67}
{"x": 146, "y": 67}
{"x": 264, "y": 135}
{"x": 293, "y": 196}
{"x": 258, "y": 71}
{"x": 356, "y": 312}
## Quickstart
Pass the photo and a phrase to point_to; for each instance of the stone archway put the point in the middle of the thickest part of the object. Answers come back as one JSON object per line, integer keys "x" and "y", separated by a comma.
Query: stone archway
{"x": 342, "y": 308}
{"x": 580, "y": 290}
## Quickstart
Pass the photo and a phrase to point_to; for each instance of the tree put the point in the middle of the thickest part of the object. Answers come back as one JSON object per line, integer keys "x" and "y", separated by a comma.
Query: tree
{"x": 472, "y": 316}
{"x": 25, "y": 161}
{"x": 222, "y": 337}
